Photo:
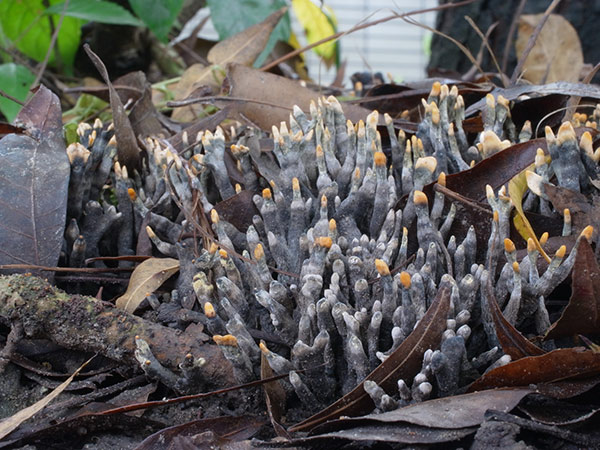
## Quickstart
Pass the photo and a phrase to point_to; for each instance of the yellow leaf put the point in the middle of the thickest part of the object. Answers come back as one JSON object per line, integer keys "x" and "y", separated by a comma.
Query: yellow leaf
{"x": 317, "y": 26}
{"x": 145, "y": 279}
{"x": 517, "y": 187}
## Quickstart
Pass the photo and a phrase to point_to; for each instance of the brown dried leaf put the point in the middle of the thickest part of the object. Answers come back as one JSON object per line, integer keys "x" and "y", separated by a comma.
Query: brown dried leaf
{"x": 403, "y": 363}
{"x": 513, "y": 343}
{"x": 34, "y": 176}
{"x": 557, "y": 365}
{"x": 223, "y": 430}
{"x": 467, "y": 410}
{"x": 556, "y": 55}
{"x": 238, "y": 210}
{"x": 582, "y": 314}
{"x": 12, "y": 423}
{"x": 128, "y": 151}
{"x": 145, "y": 279}
{"x": 267, "y": 99}
{"x": 242, "y": 48}
{"x": 582, "y": 212}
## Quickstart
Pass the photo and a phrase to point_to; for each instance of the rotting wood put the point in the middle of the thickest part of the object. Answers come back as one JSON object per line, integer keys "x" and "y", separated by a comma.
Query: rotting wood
{"x": 83, "y": 323}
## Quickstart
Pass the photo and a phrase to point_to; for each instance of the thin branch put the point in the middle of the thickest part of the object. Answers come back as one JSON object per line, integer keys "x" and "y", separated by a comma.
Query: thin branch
{"x": 10, "y": 97}
{"x": 532, "y": 40}
{"x": 52, "y": 44}
{"x": 361, "y": 27}
{"x": 485, "y": 41}
{"x": 511, "y": 34}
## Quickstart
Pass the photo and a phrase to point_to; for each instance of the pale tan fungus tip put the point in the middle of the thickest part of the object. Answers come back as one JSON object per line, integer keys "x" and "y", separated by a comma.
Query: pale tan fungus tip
{"x": 436, "y": 87}
{"x": 405, "y": 279}
{"x": 98, "y": 123}
{"x": 228, "y": 340}
{"x": 515, "y": 267}
{"x": 223, "y": 253}
{"x": 509, "y": 246}
{"x": 147, "y": 362}
{"x": 425, "y": 105}
{"x": 323, "y": 201}
{"x": 435, "y": 114}
{"x": 382, "y": 267}
{"x": 531, "y": 245}
{"x": 566, "y": 133}
{"x": 137, "y": 336}
{"x": 442, "y": 179}
{"x": 490, "y": 101}
{"x": 544, "y": 238}
{"x": 188, "y": 356}
{"x": 150, "y": 232}
{"x": 319, "y": 151}
{"x": 213, "y": 248}
{"x": 586, "y": 143}
{"x": 451, "y": 129}
{"x": 408, "y": 146}
{"x": 388, "y": 119}
{"x": 373, "y": 118}
{"x": 209, "y": 310}
{"x": 379, "y": 158}
{"x": 295, "y": 184}
{"x": 567, "y": 214}
{"x": 560, "y": 253}
{"x": 214, "y": 216}
{"x": 444, "y": 91}
{"x": 266, "y": 193}
{"x": 263, "y": 348}
{"x": 420, "y": 198}
{"x": 427, "y": 162}
{"x": 405, "y": 114}
{"x": 238, "y": 188}
{"x": 549, "y": 133}
{"x": 358, "y": 86}
{"x": 324, "y": 241}
{"x": 132, "y": 194}
{"x": 527, "y": 126}
{"x": 332, "y": 225}
{"x": 496, "y": 217}
{"x": 489, "y": 192}
{"x": 356, "y": 173}
{"x": 259, "y": 252}
{"x": 587, "y": 233}
{"x": 472, "y": 163}
{"x": 503, "y": 101}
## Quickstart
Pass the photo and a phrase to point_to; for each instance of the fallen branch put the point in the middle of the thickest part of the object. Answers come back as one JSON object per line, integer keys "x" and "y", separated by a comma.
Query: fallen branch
{"x": 84, "y": 323}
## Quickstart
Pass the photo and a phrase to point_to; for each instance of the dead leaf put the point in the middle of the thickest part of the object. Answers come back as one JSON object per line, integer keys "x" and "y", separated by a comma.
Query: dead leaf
{"x": 403, "y": 363}
{"x": 35, "y": 180}
{"x": 458, "y": 411}
{"x": 512, "y": 342}
{"x": 557, "y": 365}
{"x": 242, "y": 48}
{"x": 145, "y": 279}
{"x": 267, "y": 99}
{"x": 556, "y": 55}
{"x": 224, "y": 429}
{"x": 11, "y": 423}
{"x": 128, "y": 151}
{"x": 582, "y": 314}
{"x": 238, "y": 210}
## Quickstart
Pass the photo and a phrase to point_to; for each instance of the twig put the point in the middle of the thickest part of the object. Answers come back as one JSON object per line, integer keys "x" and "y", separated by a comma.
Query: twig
{"x": 532, "y": 40}
{"x": 511, "y": 34}
{"x": 460, "y": 198}
{"x": 191, "y": 101}
{"x": 574, "y": 100}
{"x": 64, "y": 269}
{"x": 360, "y": 27}
{"x": 41, "y": 70}
{"x": 485, "y": 41}
{"x": 10, "y": 97}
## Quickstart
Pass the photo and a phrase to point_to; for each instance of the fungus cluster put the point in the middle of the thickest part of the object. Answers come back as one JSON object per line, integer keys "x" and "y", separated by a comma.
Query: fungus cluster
{"x": 325, "y": 273}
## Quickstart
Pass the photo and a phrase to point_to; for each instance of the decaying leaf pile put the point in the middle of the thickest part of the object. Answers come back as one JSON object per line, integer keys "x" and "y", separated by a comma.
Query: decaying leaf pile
{"x": 303, "y": 271}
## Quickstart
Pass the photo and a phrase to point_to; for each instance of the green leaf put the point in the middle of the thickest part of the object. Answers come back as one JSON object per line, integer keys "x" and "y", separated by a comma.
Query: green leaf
{"x": 97, "y": 11}
{"x": 24, "y": 23}
{"x": 317, "y": 26}
{"x": 232, "y": 16}
{"x": 15, "y": 81}
{"x": 159, "y": 15}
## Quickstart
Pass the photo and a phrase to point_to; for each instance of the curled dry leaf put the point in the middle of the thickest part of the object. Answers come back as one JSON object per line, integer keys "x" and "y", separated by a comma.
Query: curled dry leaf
{"x": 145, "y": 279}
{"x": 513, "y": 343}
{"x": 403, "y": 363}
{"x": 242, "y": 48}
{"x": 582, "y": 314}
{"x": 556, "y": 55}
{"x": 557, "y": 365}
